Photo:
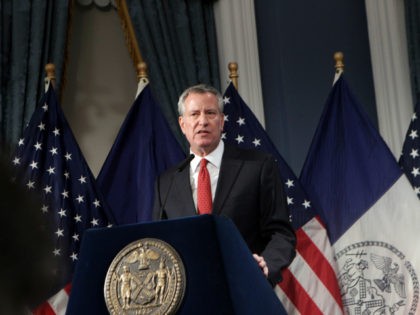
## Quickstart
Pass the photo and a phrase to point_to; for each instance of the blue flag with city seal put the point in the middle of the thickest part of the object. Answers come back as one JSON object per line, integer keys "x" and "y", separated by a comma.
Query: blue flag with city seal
{"x": 369, "y": 207}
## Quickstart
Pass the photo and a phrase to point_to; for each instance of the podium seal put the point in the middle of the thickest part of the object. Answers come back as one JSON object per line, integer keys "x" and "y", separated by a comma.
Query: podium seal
{"x": 146, "y": 277}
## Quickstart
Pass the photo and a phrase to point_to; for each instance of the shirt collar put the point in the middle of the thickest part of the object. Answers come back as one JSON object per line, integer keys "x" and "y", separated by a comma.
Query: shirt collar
{"x": 214, "y": 157}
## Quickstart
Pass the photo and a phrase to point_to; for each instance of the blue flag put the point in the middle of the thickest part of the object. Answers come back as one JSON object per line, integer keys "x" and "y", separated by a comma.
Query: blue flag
{"x": 144, "y": 147}
{"x": 309, "y": 285}
{"x": 369, "y": 207}
{"x": 49, "y": 162}
{"x": 410, "y": 155}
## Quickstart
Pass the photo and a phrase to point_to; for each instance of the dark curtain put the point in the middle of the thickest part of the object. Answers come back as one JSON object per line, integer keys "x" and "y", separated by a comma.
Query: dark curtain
{"x": 32, "y": 34}
{"x": 412, "y": 18}
{"x": 177, "y": 39}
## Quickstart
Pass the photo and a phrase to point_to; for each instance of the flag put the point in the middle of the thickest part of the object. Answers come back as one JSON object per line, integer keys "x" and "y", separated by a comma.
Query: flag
{"x": 370, "y": 210}
{"x": 410, "y": 155}
{"x": 144, "y": 147}
{"x": 48, "y": 161}
{"x": 309, "y": 284}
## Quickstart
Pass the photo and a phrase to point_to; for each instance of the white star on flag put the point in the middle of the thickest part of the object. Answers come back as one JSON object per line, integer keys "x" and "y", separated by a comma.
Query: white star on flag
{"x": 241, "y": 121}
{"x": 48, "y": 189}
{"x": 289, "y": 183}
{"x": 73, "y": 256}
{"x": 413, "y": 134}
{"x": 256, "y": 142}
{"x": 38, "y": 146}
{"x": 94, "y": 222}
{"x": 80, "y": 199}
{"x": 82, "y": 179}
{"x": 44, "y": 208}
{"x": 53, "y": 151}
{"x": 62, "y": 212}
{"x": 59, "y": 232}
{"x": 97, "y": 203}
{"x": 30, "y": 184}
{"x": 414, "y": 153}
{"x": 239, "y": 139}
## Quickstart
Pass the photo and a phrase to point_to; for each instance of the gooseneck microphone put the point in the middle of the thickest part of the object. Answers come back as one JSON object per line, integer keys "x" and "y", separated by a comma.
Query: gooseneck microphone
{"x": 186, "y": 162}
{"x": 181, "y": 167}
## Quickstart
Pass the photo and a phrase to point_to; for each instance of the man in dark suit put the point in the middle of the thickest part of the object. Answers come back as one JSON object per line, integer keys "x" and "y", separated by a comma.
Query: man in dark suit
{"x": 243, "y": 185}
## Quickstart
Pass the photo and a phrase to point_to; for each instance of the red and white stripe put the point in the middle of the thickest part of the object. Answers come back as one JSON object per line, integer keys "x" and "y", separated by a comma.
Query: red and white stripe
{"x": 55, "y": 305}
{"x": 310, "y": 283}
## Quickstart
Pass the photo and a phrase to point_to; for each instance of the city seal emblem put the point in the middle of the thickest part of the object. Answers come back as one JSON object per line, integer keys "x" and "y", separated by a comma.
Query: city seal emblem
{"x": 146, "y": 277}
{"x": 376, "y": 278}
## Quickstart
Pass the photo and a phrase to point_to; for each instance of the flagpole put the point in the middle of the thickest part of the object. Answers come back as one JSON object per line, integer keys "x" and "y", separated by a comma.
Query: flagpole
{"x": 130, "y": 35}
{"x": 339, "y": 65}
{"x": 233, "y": 73}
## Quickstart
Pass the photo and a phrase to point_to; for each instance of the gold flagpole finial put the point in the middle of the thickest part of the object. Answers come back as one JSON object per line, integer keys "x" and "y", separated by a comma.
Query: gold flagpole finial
{"x": 50, "y": 70}
{"x": 339, "y": 65}
{"x": 142, "y": 71}
{"x": 233, "y": 73}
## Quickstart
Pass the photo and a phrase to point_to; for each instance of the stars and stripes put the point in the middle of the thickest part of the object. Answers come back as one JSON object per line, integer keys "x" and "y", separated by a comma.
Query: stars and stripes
{"x": 309, "y": 285}
{"x": 48, "y": 160}
{"x": 410, "y": 157}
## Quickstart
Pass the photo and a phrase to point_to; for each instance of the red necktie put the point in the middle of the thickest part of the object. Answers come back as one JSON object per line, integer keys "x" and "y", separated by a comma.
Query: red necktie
{"x": 204, "y": 202}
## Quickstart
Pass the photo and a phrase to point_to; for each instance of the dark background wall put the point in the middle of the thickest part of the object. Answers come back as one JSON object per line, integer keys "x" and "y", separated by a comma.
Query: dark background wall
{"x": 297, "y": 40}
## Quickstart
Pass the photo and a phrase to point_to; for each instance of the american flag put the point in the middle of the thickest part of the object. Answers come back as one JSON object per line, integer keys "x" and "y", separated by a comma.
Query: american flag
{"x": 410, "y": 156}
{"x": 309, "y": 284}
{"x": 48, "y": 160}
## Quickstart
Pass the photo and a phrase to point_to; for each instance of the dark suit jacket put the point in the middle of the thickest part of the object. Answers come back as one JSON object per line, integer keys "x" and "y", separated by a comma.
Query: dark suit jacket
{"x": 249, "y": 192}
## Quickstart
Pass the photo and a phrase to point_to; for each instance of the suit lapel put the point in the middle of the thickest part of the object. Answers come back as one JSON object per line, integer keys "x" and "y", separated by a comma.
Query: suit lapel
{"x": 229, "y": 171}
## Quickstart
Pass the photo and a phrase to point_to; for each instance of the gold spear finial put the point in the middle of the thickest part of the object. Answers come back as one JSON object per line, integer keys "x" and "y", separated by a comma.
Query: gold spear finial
{"x": 50, "y": 70}
{"x": 233, "y": 73}
{"x": 339, "y": 65}
{"x": 142, "y": 72}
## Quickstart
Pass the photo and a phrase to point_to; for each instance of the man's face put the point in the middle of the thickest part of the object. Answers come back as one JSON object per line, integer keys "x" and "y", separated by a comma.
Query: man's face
{"x": 202, "y": 122}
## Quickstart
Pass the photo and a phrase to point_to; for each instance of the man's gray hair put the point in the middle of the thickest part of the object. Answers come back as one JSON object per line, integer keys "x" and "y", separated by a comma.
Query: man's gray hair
{"x": 199, "y": 89}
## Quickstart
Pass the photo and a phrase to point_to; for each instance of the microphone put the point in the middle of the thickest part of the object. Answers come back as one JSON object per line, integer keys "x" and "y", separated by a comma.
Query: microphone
{"x": 184, "y": 164}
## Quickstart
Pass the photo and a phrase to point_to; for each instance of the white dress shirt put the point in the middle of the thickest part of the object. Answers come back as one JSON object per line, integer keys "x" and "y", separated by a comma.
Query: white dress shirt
{"x": 213, "y": 166}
